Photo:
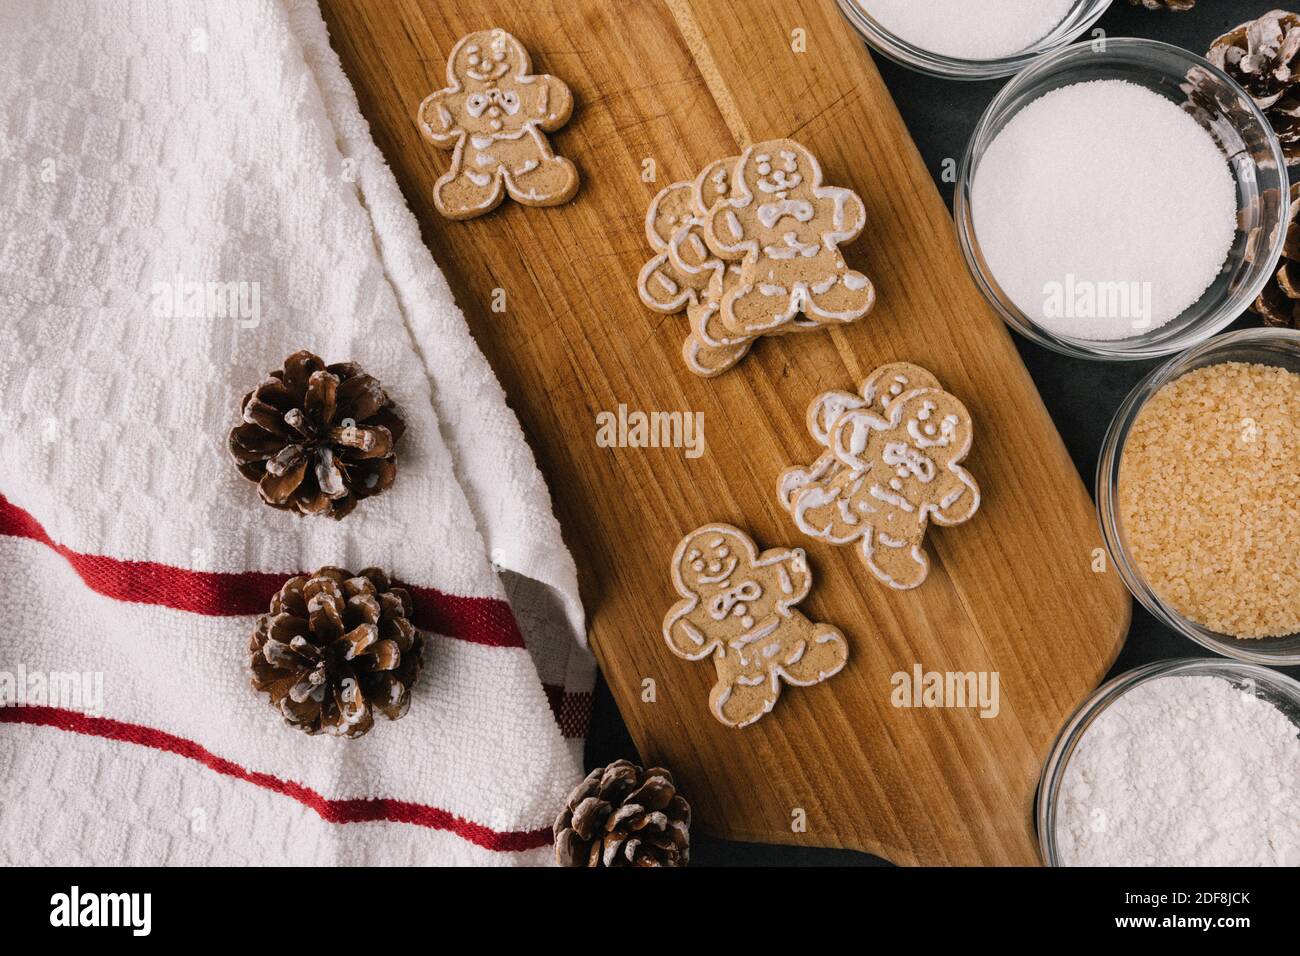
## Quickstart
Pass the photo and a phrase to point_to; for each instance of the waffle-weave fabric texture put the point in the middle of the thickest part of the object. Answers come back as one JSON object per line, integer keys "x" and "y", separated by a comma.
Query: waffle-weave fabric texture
{"x": 149, "y": 147}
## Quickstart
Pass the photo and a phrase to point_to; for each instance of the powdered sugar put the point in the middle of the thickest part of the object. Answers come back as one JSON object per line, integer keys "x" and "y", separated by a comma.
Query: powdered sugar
{"x": 1183, "y": 770}
{"x": 969, "y": 29}
{"x": 1103, "y": 210}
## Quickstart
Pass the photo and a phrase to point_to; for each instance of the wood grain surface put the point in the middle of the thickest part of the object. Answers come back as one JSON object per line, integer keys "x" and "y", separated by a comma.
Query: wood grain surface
{"x": 683, "y": 82}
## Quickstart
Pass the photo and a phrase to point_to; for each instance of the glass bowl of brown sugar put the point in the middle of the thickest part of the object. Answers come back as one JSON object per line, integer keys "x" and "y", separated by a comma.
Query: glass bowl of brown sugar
{"x": 1198, "y": 493}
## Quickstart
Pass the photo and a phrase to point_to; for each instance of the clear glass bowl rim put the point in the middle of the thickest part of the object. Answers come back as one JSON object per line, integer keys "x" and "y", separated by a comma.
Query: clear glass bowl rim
{"x": 955, "y": 68}
{"x": 1115, "y": 351}
{"x": 1108, "y": 467}
{"x": 1063, "y": 747}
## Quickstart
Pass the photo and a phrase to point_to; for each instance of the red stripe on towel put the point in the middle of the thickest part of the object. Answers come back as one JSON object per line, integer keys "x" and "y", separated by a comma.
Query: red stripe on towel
{"x": 332, "y": 811}
{"x": 485, "y": 621}
{"x": 224, "y": 594}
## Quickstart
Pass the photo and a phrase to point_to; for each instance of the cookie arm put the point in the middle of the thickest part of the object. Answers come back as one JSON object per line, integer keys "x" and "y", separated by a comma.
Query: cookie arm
{"x": 849, "y": 215}
{"x": 961, "y": 498}
{"x": 724, "y": 233}
{"x": 684, "y": 638}
{"x": 437, "y": 119}
{"x": 794, "y": 579}
{"x": 553, "y": 104}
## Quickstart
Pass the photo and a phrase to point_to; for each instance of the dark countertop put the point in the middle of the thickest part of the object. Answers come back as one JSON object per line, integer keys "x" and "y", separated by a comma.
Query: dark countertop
{"x": 1080, "y": 395}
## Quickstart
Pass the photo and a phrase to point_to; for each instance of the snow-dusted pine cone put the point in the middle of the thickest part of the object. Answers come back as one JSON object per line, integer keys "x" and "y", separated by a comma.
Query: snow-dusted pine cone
{"x": 334, "y": 649}
{"x": 1279, "y": 303}
{"x": 1264, "y": 57}
{"x": 622, "y": 815}
{"x": 317, "y": 438}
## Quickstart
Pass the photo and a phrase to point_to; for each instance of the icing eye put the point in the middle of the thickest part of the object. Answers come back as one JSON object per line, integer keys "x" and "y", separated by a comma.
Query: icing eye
{"x": 499, "y": 54}
{"x": 476, "y": 104}
{"x": 509, "y": 101}
{"x": 765, "y": 169}
{"x": 697, "y": 565}
{"x": 723, "y": 552}
{"x": 474, "y": 59}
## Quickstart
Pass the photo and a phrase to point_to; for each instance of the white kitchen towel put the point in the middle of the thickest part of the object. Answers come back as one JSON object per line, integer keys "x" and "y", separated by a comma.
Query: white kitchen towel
{"x": 189, "y": 194}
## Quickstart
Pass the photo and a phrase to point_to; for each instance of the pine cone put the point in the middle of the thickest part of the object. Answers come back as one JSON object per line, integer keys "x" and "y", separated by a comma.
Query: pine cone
{"x": 1279, "y": 303}
{"x": 334, "y": 649}
{"x": 317, "y": 438}
{"x": 1178, "y": 6}
{"x": 1262, "y": 56}
{"x": 622, "y": 815}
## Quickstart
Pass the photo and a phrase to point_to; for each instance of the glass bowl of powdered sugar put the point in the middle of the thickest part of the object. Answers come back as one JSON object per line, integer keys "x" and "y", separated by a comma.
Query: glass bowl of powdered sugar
{"x": 1121, "y": 199}
{"x": 1179, "y": 763}
{"x": 970, "y": 39}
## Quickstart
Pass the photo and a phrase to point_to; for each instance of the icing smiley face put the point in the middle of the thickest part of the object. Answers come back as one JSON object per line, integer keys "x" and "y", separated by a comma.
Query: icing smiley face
{"x": 781, "y": 181}
{"x": 488, "y": 57}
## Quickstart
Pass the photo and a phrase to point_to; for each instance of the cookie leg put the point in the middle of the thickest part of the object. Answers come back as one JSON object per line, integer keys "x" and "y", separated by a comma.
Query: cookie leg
{"x": 849, "y": 297}
{"x": 710, "y": 360}
{"x": 902, "y": 565}
{"x": 740, "y": 699}
{"x": 818, "y": 654}
{"x": 544, "y": 181}
{"x": 466, "y": 193}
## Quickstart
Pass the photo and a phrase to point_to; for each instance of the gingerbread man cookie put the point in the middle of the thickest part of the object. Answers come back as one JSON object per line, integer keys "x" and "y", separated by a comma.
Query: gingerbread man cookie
{"x": 786, "y": 226}
{"x": 893, "y": 464}
{"x": 494, "y": 113}
{"x": 685, "y": 274}
{"x": 738, "y": 607}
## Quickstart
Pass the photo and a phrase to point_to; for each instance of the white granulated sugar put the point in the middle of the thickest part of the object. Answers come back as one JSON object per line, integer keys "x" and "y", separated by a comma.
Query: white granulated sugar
{"x": 969, "y": 29}
{"x": 1103, "y": 210}
{"x": 1183, "y": 771}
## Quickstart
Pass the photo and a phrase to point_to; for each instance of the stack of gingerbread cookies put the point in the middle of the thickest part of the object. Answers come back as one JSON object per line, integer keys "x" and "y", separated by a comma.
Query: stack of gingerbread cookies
{"x": 750, "y": 247}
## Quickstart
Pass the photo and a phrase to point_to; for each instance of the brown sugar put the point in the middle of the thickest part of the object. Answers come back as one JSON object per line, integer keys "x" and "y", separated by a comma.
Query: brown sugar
{"x": 1209, "y": 498}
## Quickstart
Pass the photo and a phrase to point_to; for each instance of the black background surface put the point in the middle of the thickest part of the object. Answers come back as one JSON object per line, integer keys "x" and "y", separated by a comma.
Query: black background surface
{"x": 1081, "y": 395}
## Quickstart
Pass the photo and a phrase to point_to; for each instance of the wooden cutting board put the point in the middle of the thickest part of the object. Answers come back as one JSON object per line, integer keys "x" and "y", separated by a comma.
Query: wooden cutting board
{"x": 682, "y": 82}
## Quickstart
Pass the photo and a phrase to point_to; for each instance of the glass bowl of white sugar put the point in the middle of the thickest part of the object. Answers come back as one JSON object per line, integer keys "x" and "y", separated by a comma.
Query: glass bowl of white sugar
{"x": 1122, "y": 199}
{"x": 970, "y": 39}
{"x": 1179, "y": 763}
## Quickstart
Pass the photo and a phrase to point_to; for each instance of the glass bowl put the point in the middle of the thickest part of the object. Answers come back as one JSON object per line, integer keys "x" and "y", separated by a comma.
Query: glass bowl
{"x": 1222, "y": 108}
{"x": 1084, "y": 14}
{"x": 1278, "y": 689}
{"x": 1280, "y": 347}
